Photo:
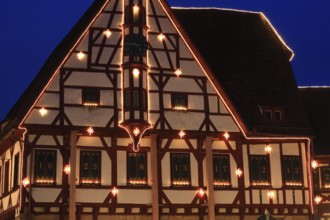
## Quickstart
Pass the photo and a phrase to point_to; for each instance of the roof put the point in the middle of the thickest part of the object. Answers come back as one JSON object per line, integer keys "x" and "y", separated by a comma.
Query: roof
{"x": 318, "y": 110}
{"x": 242, "y": 50}
{"x": 251, "y": 62}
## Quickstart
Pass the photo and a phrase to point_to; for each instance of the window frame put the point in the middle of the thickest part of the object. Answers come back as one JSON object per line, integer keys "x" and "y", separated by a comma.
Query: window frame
{"x": 137, "y": 180}
{"x": 218, "y": 179}
{"x": 180, "y": 181}
{"x": 46, "y": 178}
{"x": 179, "y": 101}
{"x": 90, "y": 180}
{"x": 292, "y": 181}
{"x": 259, "y": 182}
{"x": 86, "y": 100}
{"x": 324, "y": 184}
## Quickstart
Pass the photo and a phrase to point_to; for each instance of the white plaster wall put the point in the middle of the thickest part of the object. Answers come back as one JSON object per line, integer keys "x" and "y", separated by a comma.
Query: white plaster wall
{"x": 256, "y": 197}
{"x": 191, "y": 68}
{"x": 97, "y": 79}
{"x": 14, "y": 197}
{"x": 92, "y": 141}
{"x": 184, "y": 50}
{"x": 182, "y": 120}
{"x": 304, "y": 162}
{"x": 74, "y": 62}
{"x": 224, "y": 123}
{"x": 275, "y": 166}
{"x": 72, "y": 96}
{"x": 289, "y": 196}
{"x": 46, "y": 140}
{"x": 181, "y": 196}
{"x": 36, "y": 118}
{"x": 180, "y": 84}
{"x": 224, "y": 197}
{"x": 245, "y": 167}
{"x": 54, "y": 84}
{"x": 213, "y": 100}
{"x": 221, "y": 145}
{"x": 196, "y": 102}
{"x": 97, "y": 117}
{"x": 49, "y": 100}
{"x": 91, "y": 195}
{"x": 193, "y": 170}
{"x": 59, "y": 167}
{"x": 233, "y": 167}
{"x": 290, "y": 149}
{"x": 45, "y": 194}
{"x": 181, "y": 144}
{"x": 123, "y": 141}
{"x": 105, "y": 169}
{"x": 166, "y": 173}
{"x": 121, "y": 168}
{"x": 134, "y": 196}
{"x": 153, "y": 101}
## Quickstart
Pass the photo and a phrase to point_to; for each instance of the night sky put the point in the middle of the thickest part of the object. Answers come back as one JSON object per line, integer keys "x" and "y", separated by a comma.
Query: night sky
{"x": 30, "y": 31}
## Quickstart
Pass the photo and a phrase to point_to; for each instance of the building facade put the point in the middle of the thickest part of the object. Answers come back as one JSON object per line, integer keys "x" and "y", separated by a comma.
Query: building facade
{"x": 133, "y": 116}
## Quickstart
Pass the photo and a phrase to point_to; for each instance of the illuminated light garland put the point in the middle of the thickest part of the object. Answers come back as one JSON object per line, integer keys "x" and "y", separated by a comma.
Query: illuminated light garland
{"x": 137, "y": 182}
{"x": 178, "y": 72}
{"x": 43, "y": 111}
{"x": 260, "y": 184}
{"x": 180, "y": 108}
{"x": 80, "y": 55}
{"x": 90, "y": 182}
{"x": 67, "y": 169}
{"x": 90, "y": 131}
{"x": 25, "y": 182}
{"x": 268, "y": 149}
{"x": 44, "y": 181}
{"x": 182, "y": 134}
{"x": 293, "y": 184}
{"x": 327, "y": 186}
{"x": 226, "y": 136}
{"x": 219, "y": 183}
{"x": 107, "y": 33}
{"x": 181, "y": 183}
{"x": 90, "y": 104}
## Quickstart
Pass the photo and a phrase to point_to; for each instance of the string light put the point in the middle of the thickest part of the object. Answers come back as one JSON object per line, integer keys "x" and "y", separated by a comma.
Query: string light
{"x": 201, "y": 192}
{"x": 114, "y": 191}
{"x": 314, "y": 164}
{"x": 268, "y": 148}
{"x": 318, "y": 199}
{"x": 271, "y": 194}
{"x": 136, "y": 72}
{"x": 90, "y": 131}
{"x": 161, "y": 37}
{"x": 238, "y": 172}
{"x": 136, "y": 132}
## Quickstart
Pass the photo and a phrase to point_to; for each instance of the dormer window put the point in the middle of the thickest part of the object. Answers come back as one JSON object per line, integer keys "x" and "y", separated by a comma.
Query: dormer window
{"x": 90, "y": 97}
{"x": 268, "y": 115}
{"x": 278, "y": 115}
{"x": 274, "y": 114}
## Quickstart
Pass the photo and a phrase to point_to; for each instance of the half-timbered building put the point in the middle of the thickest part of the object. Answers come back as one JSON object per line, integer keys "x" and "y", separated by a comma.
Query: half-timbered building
{"x": 149, "y": 112}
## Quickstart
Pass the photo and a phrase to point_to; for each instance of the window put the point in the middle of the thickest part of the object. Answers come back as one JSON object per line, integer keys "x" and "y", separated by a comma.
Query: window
{"x": 90, "y": 167}
{"x": 16, "y": 169}
{"x": 137, "y": 168}
{"x": 221, "y": 170}
{"x": 180, "y": 101}
{"x": 90, "y": 97}
{"x": 272, "y": 113}
{"x": 137, "y": 102}
{"x": 180, "y": 169}
{"x": 6, "y": 178}
{"x": 259, "y": 170}
{"x": 292, "y": 170}
{"x": 135, "y": 15}
{"x": 45, "y": 167}
{"x": 325, "y": 177}
{"x": 278, "y": 115}
{"x": 268, "y": 115}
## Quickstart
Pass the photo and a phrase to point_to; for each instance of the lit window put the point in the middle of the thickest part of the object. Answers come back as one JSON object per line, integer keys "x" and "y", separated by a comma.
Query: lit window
{"x": 180, "y": 169}
{"x": 221, "y": 170}
{"x": 292, "y": 170}
{"x": 179, "y": 101}
{"x": 90, "y": 97}
{"x": 325, "y": 177}
{"x": 259, "y": 170}
{"x": 137, "y": 168}
{"x": 90, "y": 169}
{"x": 45, "y": 167}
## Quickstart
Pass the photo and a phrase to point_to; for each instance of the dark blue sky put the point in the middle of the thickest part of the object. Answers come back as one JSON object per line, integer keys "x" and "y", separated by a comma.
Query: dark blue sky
{"x": 30, "y": 30}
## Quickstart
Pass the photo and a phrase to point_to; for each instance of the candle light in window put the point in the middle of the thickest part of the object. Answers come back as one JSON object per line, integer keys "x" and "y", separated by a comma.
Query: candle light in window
{"x": 314, "y": 164}
{"x": 80, "y": 55}
{"x": 67, "y": 169}
{"x": 226, "y": 136}
{"x": 201, "y": 192}
{"x": 90, "y": 130}
{"x": 136, "y": 10}
{"x": 136, "y": 72}
{"x": 25, "y": 182}
{"x": 114, "y": 191}
{"x": 178, "y": 72}
{"x": 268, "y": 148}
{"x": 161, "y": 37}
{"x": 238, "y": 172}
{"x": 43, "y": 111}
{"x": 107, "y": 33}
{"x": 136, "y": 131}
{"x": 182, "y": 134}
{"x": 318, "y": 199}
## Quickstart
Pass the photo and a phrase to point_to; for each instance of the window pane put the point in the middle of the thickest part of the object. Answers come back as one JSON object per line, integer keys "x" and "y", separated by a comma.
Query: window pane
{"x": 45, "y": 166}
{"x": 90, "y": 170}
{"x": 179, "y": 101}
{"x": 325, "y": 172}
{"x": 180, "y": 169}
{"x": 137, "y": 168}
{"x": 90, "y": 96}
{"x": 221, "y": 170}
{"x": 292, "y": 170}
{"x": 259, "y": 170}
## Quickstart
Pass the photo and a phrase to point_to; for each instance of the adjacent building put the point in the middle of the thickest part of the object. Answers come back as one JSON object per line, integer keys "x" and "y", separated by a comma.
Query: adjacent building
{"x": 149, "y": 112}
